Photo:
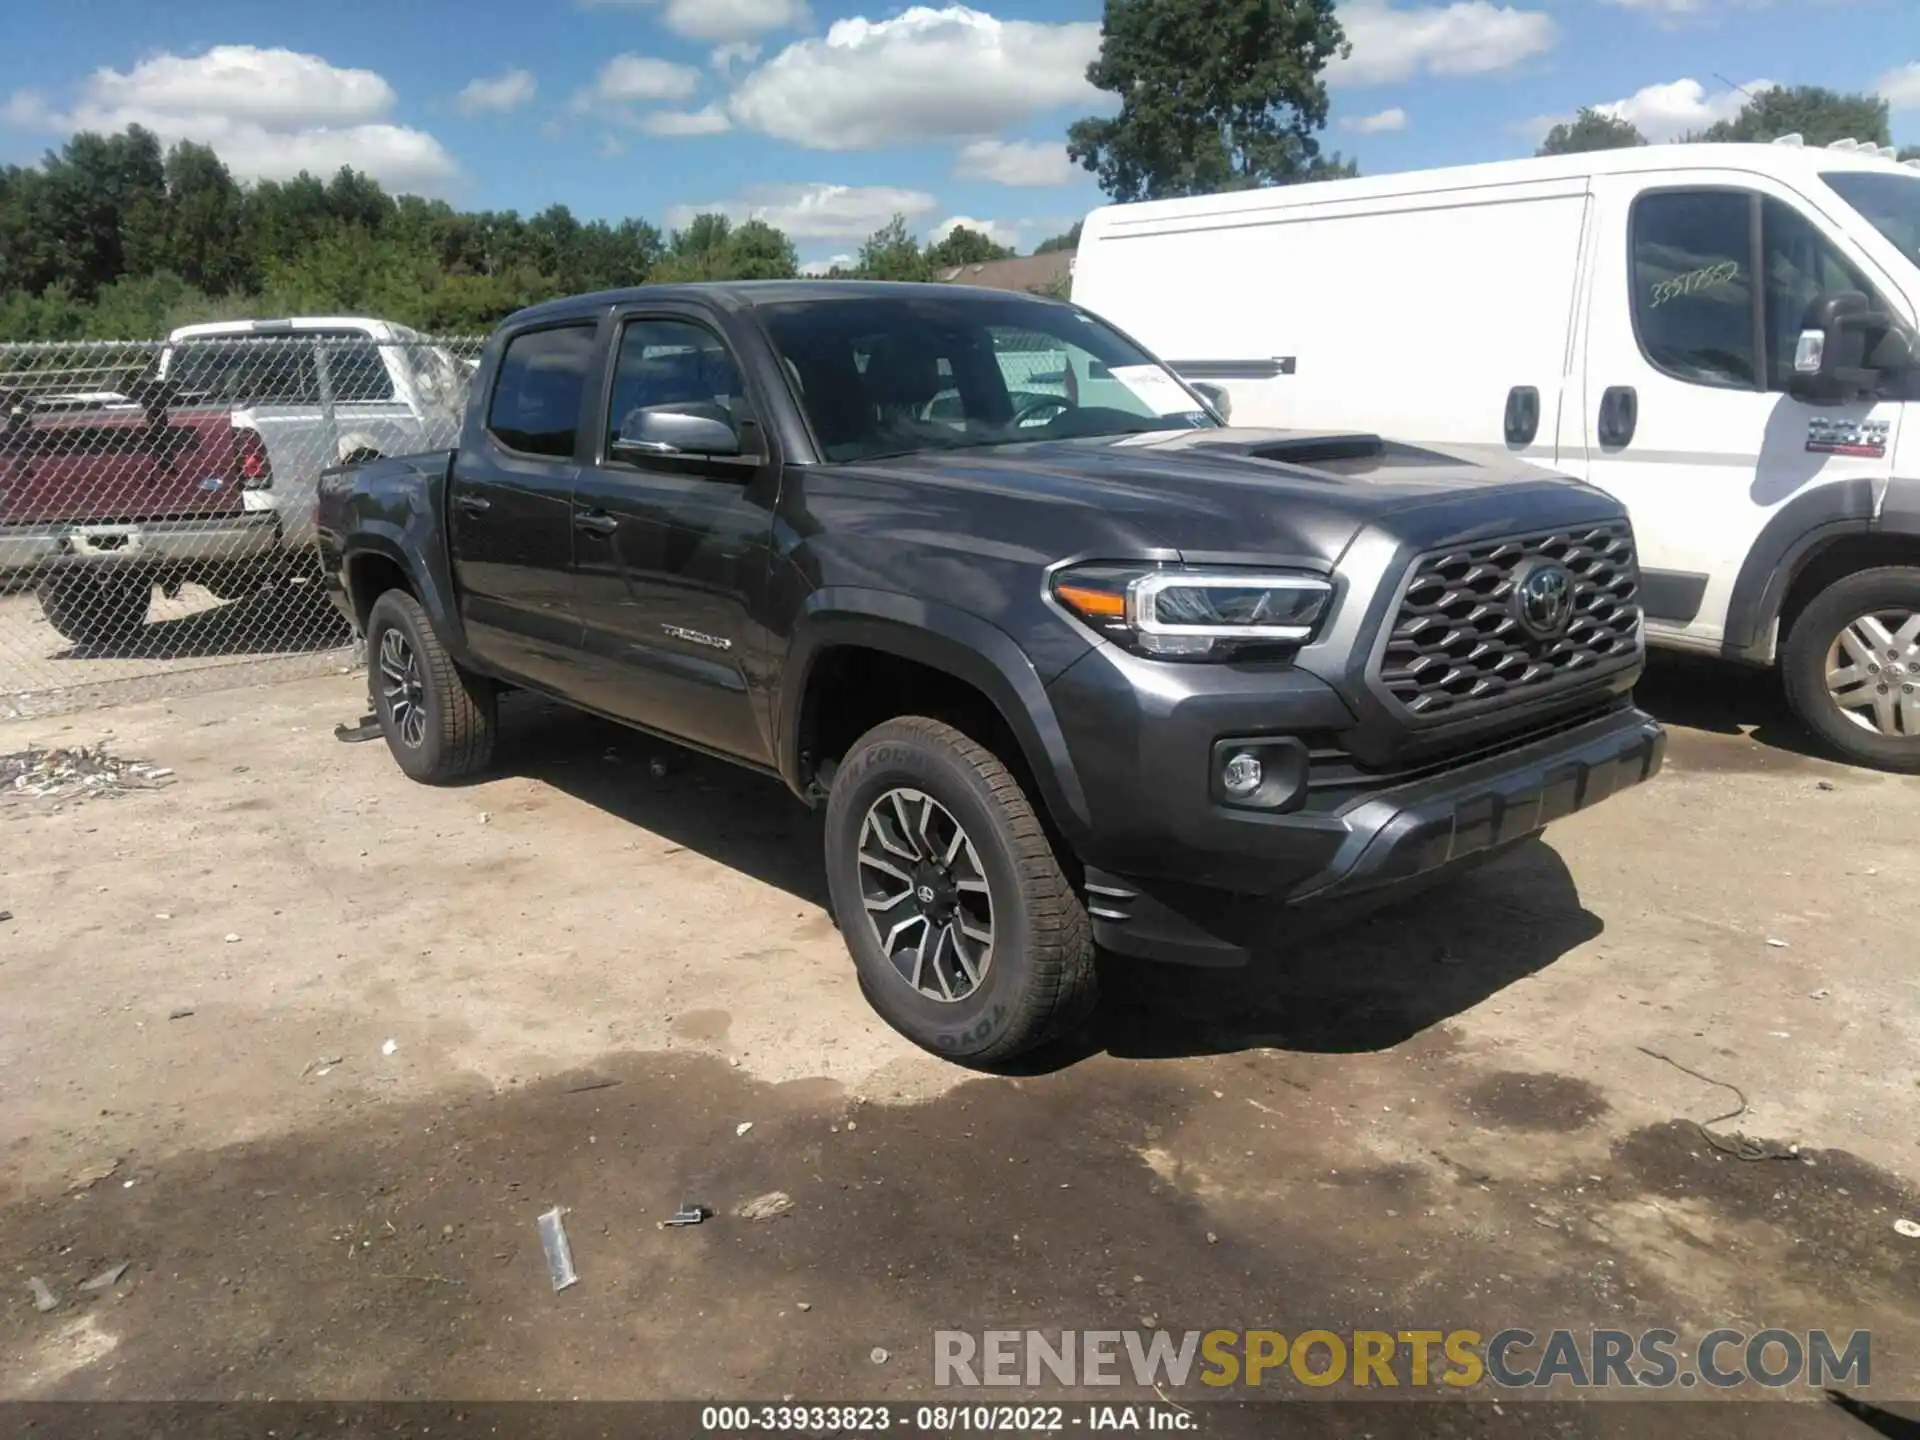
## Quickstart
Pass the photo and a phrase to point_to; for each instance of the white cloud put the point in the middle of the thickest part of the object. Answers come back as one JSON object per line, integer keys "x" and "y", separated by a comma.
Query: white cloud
{"x": 734, "y": 52}
{"x": 814, "y": 212}
{"x": 1472, "y": 37}
{"x": 720, "y": 19}
{"x": 496, "y": 94}
{"x": 1666, "y": 112}
{"x": 1004, "y": 232}
{"x": 1380, "y": 124}
{"x": 923, "y": 75}
{"x": 821, "y": 267}
{"x": 709, "y": 120}
{"x": 1660, "y": 7}
{"x": 268, "y": 113}
{"x": 1900, "y": 88}
{"x": 1015, "y": 162}
{"x": 628, "y": 78}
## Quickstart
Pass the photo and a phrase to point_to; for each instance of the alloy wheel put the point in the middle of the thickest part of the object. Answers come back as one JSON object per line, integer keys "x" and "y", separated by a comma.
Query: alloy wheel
{"x": 1873, "y": 673}
{"x": 926, "y": 894}
{"x": 402, "y": 689}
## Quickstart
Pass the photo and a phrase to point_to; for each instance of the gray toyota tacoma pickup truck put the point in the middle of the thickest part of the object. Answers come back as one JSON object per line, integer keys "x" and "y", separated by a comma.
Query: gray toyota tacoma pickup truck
{"x": 1069, "y": 662}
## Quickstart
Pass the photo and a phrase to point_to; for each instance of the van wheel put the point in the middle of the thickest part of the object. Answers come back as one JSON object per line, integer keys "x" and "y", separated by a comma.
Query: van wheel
{"x": 1852, "y": 667}
{"x": 96, "y": 610}
{"x": 438, "y": 720}
{"x": 965, "y": 934}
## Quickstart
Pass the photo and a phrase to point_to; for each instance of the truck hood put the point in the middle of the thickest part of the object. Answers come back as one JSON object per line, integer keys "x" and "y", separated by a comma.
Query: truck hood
{"x": 1274, "y": 493}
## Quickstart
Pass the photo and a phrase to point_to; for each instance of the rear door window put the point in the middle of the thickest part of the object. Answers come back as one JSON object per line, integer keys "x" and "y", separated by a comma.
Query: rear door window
{"x": 538, "y": 393}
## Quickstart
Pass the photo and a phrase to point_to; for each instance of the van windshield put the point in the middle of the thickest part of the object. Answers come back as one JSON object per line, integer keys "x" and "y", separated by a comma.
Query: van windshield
{"x": 896, "y": 374}
{"x": 1889, "y": 203}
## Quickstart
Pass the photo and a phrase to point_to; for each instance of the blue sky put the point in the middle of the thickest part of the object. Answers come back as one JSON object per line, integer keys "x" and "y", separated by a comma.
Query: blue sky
{"x": 827, "y": 116}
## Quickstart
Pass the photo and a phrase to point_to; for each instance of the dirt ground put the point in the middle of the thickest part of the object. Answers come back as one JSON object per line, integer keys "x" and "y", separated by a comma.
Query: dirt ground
{"x": 191, "y": 641}
{"x": 310, "y": 1047}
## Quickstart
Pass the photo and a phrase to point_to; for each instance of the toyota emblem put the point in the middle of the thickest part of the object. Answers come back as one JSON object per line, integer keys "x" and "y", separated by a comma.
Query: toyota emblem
{"x": 1543, "y": 599}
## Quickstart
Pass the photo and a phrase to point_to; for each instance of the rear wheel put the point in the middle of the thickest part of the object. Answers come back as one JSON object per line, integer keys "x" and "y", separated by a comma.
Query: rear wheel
{"x": 1852, "y": 667}
{"x": 966, "y": 936}
{"x": 96, "y": 610}
{"x": 438, "y": 720}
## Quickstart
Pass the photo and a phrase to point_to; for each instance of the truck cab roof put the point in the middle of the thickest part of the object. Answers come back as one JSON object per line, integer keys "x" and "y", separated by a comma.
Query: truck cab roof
{"x": 299, "y": 324}
{"x": 745, "y": 294}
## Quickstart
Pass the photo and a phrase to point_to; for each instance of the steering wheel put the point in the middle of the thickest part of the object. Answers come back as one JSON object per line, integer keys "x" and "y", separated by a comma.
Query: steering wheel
{"x": 1037, "y": 406}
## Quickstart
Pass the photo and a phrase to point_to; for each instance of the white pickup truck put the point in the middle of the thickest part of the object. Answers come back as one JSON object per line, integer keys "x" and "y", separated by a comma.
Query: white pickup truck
{"x": 320, "y": 391}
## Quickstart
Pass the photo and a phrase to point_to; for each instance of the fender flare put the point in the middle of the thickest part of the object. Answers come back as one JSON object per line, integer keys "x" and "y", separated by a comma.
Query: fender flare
{"x": 947, "y": 639}
{"x": 1797, "y": 532}
{"x": 433, "y": 591}
{"x": 1808, "y": 522}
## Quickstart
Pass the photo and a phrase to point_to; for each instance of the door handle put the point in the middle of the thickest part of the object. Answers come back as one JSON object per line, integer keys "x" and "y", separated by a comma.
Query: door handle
{"x": 595, "y": 522}
{"x": 1523, "y": 414}
{"x": 473, "y": 504}
{"x": 1619, "y": 415}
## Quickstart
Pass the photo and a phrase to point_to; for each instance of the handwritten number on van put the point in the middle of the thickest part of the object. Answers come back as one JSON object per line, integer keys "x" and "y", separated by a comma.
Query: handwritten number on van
{"x": 1694, "y": 281}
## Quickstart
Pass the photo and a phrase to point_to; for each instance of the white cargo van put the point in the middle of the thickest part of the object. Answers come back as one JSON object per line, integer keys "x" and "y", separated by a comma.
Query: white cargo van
{"x": 1720, "y": 335}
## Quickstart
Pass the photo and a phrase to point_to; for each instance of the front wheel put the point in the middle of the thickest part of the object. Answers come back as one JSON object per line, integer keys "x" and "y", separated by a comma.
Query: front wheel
{"x": 1852, "y": 667}
{"x": 438, "y": 720}
{"x": 966, "y": 936}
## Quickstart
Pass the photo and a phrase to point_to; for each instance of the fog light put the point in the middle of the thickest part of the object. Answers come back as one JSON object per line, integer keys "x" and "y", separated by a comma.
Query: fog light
{"x": 1241, "y": 775}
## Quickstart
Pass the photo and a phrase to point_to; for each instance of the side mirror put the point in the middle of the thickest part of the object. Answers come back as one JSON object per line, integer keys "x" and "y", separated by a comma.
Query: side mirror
{"x": 687, "y": 428}
{"x": 1843, "y": 348}
{"x": 1214, "y": 395}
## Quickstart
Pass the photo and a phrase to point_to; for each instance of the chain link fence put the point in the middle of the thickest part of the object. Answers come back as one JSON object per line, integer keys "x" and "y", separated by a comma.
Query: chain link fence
{"x": 157, "y": 499}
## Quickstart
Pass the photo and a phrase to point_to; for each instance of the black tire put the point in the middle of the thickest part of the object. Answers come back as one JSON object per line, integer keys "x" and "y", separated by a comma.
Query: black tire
{"x": 96, "y": 610}
{"x": 1890, "y": 590}
{"x": 1039, "y": 980}
{"x": 458, "y": 712}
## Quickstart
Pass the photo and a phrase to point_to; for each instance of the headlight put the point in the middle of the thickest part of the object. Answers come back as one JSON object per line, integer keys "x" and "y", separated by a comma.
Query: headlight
{"x": 1182, "y": 614}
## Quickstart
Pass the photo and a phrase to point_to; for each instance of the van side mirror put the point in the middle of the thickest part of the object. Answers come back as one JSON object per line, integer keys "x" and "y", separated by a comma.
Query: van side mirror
{"x": 685, "y": 428}
{"x": 1844, "y": 347}
{"x": 1214, "y": 395}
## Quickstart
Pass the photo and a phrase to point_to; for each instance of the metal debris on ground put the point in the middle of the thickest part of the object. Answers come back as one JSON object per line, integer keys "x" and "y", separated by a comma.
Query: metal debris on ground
{"x": 769, "y": 1206}
{"x": 389, "y": 1047}
{"x": 553, "y": 1239}
{"x": 6, "y": 914}
{"x": 691, "y": 1212}
{"x": 1908, "y": 1228}
{"x": 743, "y": 1127}
{"x": 583, "y": 1086}
{"x": 181, "y": 1014}
{"x": 43, "y": 1297}
{"x": 320, "y": 1066}
{"x": 65, "y": 773}
{"x": 367, "y": 727}
{"x": 1776, "y": 942}
{"x": 93, "y": 1175}
{"x": 878, "y": 1355}
{"x": 107, "y": 1278}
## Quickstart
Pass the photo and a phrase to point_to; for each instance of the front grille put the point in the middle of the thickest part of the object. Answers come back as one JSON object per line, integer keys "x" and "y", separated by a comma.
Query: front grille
{"x": 1457, "y": 643}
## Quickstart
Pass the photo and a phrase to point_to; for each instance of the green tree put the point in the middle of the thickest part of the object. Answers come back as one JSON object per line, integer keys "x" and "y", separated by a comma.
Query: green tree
{"x": 1591, "y": 130}
{"x": 1820, "y": 115}
{"x": 1214, "y": 95}
{"x": 204, "y": 217}
{"x": 1068, "y": 240}
{"x": 1910, "y": 152}
{"x": 758, "y": 251}
{"x": 891, "y": 253}
{"x": 963, "y": 245}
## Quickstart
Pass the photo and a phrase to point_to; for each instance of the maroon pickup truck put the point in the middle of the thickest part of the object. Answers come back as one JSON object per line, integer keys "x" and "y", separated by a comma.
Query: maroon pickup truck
{"x": 98, "y": 504}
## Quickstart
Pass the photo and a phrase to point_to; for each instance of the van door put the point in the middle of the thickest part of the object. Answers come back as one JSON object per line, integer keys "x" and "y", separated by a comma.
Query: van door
{"x": 1697, "y": 296}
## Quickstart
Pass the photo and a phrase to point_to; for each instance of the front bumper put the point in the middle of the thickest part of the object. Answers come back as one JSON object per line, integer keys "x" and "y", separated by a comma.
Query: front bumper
{"x": 1409, "y": 833}
{"x": 159, "y": 544}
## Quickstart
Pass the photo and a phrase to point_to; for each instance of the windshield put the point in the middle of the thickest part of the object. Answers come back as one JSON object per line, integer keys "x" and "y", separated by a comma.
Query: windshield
{"x": 1889, "y": 203}
{"x": 888, "y": 376}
